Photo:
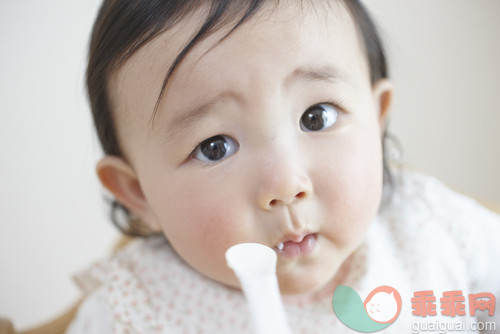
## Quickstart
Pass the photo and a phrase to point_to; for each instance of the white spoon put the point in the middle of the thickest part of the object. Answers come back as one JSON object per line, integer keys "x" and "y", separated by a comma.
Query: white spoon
{"x": 255, "y": 266}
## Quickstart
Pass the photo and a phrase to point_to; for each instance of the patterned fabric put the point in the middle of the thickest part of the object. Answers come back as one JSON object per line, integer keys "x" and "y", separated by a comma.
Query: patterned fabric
{"x": 428, "y": 238}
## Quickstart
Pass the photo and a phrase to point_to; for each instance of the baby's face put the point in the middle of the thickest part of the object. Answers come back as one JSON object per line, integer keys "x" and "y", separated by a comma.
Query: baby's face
{"x": 273, "y": 136}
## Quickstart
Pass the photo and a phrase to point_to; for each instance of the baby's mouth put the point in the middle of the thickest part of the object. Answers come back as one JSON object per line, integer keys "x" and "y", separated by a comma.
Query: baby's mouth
{"x": 300, "y": 246}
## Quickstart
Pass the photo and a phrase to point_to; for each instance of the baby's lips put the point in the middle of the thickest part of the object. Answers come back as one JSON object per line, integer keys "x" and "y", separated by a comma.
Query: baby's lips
{"x": 302, "y": 245}
{"x": 294, "y": 237}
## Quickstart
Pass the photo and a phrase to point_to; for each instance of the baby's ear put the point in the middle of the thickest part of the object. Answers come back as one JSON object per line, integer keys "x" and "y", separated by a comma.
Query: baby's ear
{"x": 117, "y": 176}
{"x": 383, "y": 90}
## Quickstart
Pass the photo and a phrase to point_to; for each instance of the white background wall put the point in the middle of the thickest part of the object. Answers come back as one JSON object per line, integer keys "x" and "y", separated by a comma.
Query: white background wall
{"x": 445, "y": 63}
{"x": 444, "y": 58}
{"x": 52, "y": 220}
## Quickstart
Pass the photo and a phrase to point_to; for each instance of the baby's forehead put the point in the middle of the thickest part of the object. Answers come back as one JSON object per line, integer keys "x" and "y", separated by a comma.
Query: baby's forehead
{"x": 144, "y": 73}
{"x": 177, "y": 35}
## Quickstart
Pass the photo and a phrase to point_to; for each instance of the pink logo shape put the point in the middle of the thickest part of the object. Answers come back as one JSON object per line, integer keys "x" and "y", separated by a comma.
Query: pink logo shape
{"x": 383, "y": 304}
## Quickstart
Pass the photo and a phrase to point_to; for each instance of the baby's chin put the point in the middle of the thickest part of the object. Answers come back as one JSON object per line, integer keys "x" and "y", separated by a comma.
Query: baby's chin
{"x": 309, "y": 288}
{"x": 308, "y": 292}
{"x": 310, "y": 281}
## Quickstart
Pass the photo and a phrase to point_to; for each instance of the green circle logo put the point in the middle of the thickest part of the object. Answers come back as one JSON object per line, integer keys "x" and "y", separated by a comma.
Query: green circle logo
{"x": 379, "y": 310}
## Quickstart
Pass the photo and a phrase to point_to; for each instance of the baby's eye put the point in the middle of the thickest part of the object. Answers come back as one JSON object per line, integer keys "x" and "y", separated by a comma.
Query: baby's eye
{"x": 215, "y": 148}
{"x": 319, "y": 117}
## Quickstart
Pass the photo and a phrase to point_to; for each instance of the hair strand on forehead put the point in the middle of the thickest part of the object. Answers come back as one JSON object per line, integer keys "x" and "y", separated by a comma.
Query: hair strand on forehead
{"x": 217, "y": 10}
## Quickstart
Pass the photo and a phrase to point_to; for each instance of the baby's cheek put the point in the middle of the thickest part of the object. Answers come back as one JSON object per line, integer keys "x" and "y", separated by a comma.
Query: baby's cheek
{"x": 352, "y": 193}
{"x": 204, "y": 233}
{"x": 212, "y": 226}
{"x": 203, "y": 222}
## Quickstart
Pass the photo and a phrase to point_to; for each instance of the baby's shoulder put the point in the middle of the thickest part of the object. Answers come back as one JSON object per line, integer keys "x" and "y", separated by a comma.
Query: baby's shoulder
{"x": 423, "y": 199}
{"x": 142, "y": 282}
{"x": 430, "y": 222}
{"x": 138, "y": 257}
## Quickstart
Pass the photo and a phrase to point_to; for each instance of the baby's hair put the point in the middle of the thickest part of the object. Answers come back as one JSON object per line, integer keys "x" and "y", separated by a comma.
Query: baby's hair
{"x": 122, "y": 27}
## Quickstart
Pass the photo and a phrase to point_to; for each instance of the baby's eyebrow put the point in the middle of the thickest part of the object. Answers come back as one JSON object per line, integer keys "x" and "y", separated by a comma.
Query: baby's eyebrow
{"x": 325, "y": 73}
{"x": 198, "y": 112}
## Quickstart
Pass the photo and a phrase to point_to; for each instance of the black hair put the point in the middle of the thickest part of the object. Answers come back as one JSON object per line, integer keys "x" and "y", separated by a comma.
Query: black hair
{"x": 123, "y": 26}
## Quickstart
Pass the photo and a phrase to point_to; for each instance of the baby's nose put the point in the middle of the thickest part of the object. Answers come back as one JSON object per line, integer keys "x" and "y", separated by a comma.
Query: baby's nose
{"x": 283, "y": 183}
{"x": 287, "y": 201}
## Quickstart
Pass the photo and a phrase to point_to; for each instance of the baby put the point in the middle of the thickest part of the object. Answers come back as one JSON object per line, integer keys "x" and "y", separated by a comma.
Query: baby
{"x": 225, "y": 122}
